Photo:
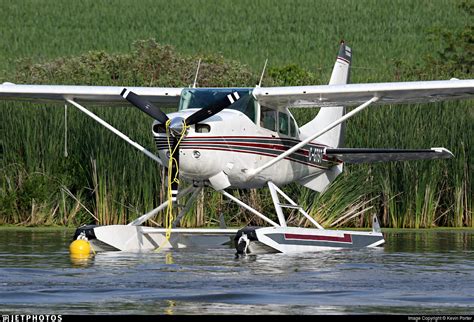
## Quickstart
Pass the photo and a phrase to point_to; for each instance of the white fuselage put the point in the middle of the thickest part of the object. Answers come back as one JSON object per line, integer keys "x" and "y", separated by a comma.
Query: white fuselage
{"x": 234, "y": 145}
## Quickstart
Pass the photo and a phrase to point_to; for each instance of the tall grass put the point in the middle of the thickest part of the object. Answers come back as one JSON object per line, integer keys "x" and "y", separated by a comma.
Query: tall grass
{"x": 111, "y": 182}
{"x": 303, "y": 32}
{"x": 104, "y": 180}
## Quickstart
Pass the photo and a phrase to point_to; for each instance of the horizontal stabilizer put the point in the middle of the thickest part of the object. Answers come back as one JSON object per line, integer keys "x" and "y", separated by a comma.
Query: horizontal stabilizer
{"x": 351, "y": 155}
{"x": 322, "y": 181}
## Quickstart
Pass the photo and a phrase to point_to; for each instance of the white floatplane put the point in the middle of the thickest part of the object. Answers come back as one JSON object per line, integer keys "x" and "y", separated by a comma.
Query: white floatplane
{"x": 244, "y": 138}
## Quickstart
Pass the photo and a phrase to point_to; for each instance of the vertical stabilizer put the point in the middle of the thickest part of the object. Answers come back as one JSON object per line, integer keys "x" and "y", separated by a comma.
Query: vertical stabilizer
{"x": 327, "y": 115}
{"x": 341, "y": 71}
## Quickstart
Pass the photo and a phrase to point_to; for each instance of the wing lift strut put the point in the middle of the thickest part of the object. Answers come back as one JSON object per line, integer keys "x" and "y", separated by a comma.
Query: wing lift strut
{"x": 149, "y": 154}
{"x": 115, "y": 131}
{"x": 253, "y": 172}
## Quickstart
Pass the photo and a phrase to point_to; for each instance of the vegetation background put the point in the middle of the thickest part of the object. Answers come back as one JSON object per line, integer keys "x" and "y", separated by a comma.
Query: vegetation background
{"x": 158, "y": 43}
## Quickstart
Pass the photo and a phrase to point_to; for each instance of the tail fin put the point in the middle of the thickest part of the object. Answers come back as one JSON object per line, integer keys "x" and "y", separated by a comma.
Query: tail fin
{"x": 340, "y": 75}
{"x": 334, "y": 137}
{"x": 341, "y": 71}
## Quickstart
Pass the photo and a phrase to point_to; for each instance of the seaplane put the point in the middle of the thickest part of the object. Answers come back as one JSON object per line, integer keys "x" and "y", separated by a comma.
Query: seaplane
{"x": 247, "y": 138}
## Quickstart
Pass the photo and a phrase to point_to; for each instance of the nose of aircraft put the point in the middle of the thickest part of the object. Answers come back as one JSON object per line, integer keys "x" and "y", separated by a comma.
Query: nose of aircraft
{"x": 177, "y": 124}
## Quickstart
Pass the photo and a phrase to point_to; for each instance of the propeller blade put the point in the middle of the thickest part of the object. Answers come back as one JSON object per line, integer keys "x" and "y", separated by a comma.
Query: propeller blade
{"x": 207, "y": 112}
{"x": 145, "y": 106}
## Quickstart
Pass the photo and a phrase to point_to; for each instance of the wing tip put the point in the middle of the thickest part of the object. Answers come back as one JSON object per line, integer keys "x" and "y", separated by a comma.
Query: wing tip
{"x": 446, "y": 153}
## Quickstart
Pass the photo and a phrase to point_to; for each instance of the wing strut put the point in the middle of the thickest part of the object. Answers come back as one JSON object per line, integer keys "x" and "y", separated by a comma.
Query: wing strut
{"x": 253, "y": 172}
{"x": 115, "y": 131}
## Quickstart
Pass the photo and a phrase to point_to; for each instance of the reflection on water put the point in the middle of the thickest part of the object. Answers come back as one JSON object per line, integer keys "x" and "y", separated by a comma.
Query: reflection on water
{"x": 430, "y": 241}
{"x": 81, "y": 260}
{"x": 418, "y": 272}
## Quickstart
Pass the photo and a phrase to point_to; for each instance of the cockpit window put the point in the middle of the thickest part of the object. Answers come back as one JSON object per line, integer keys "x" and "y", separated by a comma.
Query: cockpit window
{"x": 246, "y": 105}
{"x": 268, "y": 118}
{"x": 206, "y": 97}
{"x": 293, "y": 131}
{"x": 283, "y": 123}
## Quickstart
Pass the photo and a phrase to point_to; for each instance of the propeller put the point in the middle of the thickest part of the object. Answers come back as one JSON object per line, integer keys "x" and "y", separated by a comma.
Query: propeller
{"x": 145, "y": 106}
{"x": 178, "y": 125}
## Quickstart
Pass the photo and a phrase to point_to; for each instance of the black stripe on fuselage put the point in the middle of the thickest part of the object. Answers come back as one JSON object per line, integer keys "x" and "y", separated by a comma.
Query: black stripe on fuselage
{"x": 254, "y": 145}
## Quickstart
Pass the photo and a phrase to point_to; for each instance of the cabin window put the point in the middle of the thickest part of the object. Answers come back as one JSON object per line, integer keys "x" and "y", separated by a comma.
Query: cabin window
{"x": 268, "y": 118}
{"x": 293, "y": 131}
{"x": 283, "y": 123}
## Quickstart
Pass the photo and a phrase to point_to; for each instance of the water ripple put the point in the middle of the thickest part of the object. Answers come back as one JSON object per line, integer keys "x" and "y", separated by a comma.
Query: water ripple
{"x": 413, "y": 273}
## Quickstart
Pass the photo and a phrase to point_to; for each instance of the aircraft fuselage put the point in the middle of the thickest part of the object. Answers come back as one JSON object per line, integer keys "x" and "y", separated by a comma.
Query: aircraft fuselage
{"x": 230, "y": 142}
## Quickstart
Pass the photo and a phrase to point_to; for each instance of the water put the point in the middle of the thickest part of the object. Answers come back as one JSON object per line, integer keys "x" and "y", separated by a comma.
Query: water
{"x": 416, "y": 272}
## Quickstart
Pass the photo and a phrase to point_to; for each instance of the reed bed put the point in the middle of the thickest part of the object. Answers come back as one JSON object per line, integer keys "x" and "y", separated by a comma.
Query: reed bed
{"x": 103, "y": 180}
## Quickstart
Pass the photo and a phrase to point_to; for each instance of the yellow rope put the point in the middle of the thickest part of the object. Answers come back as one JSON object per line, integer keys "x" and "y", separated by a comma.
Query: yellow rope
{"x": 169, "y": 209}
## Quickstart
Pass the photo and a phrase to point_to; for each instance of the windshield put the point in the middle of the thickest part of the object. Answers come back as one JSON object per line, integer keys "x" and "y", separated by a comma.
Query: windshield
{"x": 206, "y": 97}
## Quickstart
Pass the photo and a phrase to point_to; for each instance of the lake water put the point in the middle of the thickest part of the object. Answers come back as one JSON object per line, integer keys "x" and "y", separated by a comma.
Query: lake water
{"x": 416, "y": 272}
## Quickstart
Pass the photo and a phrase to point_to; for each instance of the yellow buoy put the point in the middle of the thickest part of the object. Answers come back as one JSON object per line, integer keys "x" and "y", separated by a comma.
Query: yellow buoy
{"x": 80, "y": 247}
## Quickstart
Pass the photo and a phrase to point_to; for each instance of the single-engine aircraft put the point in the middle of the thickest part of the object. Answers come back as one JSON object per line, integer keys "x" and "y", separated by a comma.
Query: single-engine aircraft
{"x": 244, "y": 138}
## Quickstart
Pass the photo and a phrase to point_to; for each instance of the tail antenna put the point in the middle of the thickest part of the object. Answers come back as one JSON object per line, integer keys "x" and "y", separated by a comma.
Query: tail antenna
{"x": 197, "y": 73}
{"x": 263, "y": 73}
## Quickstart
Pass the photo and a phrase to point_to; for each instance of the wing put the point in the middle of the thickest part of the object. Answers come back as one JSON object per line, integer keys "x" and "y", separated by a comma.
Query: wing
{"x": 384, "y": 155}
{"x": 103, "y": 95}
{"x": 356, "y": 94}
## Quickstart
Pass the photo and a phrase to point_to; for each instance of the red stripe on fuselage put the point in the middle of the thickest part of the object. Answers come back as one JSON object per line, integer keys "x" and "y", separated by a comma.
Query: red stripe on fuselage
{"x": 346, "y": 239}
{"x": 278, "y": 144}
{"x": 259, "y": 153}
{"x": 270, "y": 146}
{"x": 253, "y": 137}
